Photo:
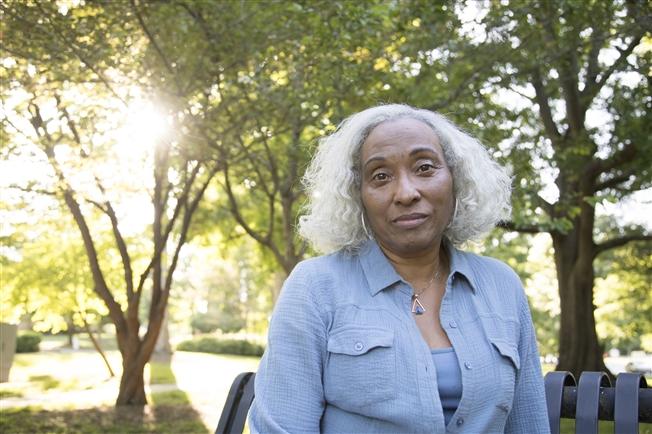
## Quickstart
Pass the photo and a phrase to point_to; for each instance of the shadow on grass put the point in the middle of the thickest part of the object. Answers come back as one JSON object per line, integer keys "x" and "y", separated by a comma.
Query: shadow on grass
{"x": 166, "y": 420}
{"x": 46, "y": 382}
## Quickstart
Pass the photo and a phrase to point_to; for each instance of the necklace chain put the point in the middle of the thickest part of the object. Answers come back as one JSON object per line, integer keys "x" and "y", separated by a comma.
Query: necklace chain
{"x": 417, "y": 307}
{"x": 430, "y": 282}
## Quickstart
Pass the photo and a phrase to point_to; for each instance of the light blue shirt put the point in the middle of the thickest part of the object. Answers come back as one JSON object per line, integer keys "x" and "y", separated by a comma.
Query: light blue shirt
{"x": 345, "y": 355}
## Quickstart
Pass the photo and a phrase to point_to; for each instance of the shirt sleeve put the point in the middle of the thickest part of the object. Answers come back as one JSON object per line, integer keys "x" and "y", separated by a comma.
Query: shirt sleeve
{"x": 529, "y": 412}
{"x": 289, "y": 395}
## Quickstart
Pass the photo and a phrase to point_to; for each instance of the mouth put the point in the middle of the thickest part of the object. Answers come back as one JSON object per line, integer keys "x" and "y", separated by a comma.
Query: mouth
{"x": 409, "y": 221}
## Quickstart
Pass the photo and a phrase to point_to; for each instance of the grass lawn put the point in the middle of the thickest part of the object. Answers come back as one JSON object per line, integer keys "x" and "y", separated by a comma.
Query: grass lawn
{"x": 172, "y": 419}
{"x": 567, "y": 426}
{"x": 64, "y": 391}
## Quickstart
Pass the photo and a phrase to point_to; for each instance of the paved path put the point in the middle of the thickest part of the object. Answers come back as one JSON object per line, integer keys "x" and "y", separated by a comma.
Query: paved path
{"x": 206, "y": 379}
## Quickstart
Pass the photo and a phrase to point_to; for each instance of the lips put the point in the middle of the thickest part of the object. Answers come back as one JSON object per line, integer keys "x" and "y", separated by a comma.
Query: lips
{"x": 408, "y": 221}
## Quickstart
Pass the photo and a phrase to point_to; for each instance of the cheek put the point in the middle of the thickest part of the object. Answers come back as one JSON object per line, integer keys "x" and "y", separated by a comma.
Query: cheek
{"x": 373, "y": 203}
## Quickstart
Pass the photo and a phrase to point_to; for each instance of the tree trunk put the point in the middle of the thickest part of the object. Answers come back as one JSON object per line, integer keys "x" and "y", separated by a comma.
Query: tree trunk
{"x": 579, "y": 349}
{"x": 132, "y": 382}
{"x": 163, "y": 341}
{"x": 70, "y": 331}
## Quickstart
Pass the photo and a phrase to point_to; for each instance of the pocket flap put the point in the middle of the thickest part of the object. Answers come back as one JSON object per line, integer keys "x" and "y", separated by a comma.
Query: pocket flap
{"x": 507, "y": 350}
{"x": 355, "y": 341}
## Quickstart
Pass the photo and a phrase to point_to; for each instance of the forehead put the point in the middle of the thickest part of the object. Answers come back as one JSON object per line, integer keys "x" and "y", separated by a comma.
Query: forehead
{"x": 398, "y": 135}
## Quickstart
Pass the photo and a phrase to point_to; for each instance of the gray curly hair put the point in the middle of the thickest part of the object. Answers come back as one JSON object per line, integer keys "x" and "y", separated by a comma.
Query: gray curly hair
{"x": 334, "y": 211}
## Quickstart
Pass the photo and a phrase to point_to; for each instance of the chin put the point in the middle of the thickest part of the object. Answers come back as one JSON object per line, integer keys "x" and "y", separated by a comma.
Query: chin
{"x": 411, "y": 247}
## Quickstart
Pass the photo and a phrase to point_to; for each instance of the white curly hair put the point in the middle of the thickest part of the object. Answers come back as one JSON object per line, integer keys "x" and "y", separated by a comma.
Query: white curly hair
{"x": 334, "y": 212}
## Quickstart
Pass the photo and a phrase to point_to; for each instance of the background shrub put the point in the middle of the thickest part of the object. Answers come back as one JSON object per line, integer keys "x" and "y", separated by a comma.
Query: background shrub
{"x": 28, "y": 342}
{"x": 209, "y": 344}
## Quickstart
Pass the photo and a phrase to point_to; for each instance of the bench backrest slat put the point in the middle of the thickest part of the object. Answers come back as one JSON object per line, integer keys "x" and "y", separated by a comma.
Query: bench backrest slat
{"x": 626, "y": 407}
{"x": 588, "y": 401}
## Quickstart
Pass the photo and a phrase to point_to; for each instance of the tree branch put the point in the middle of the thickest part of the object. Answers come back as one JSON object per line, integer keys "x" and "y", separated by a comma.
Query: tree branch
{"x": 625, "y": 155}
{"x": 593, "y": 87}
{"x": 618, "y": 242}
{"x": 121, "y": 244}
{"x": 526, "y": 229}
{"x": 157, "y": 48}
{"x": 614, "y": 181}
{"x": 545, "y": 112}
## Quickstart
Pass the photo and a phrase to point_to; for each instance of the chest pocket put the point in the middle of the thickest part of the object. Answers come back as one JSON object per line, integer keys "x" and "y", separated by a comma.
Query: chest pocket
{"x": 361, "y": 366}
{"x": 509, "y": 363}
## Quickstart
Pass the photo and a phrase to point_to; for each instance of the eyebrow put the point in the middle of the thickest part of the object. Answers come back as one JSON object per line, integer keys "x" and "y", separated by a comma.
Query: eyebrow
{"x": 422, "y": 149}
{"x": 412, "y": 153}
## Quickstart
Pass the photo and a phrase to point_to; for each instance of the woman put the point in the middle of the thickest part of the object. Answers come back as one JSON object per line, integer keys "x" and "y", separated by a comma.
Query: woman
{"x": 396, "y": 330}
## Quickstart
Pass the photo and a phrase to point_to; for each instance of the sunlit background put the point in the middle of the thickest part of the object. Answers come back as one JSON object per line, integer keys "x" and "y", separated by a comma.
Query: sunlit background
{"x": 236, "y": 102}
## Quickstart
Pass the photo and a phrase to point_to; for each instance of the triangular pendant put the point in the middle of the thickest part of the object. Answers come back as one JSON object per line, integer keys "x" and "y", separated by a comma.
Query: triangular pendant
{"x": 417, "y": 307}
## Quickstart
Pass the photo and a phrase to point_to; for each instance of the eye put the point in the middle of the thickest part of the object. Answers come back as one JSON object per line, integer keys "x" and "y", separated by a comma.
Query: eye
{"x": 380, "y": 176}
{"x": 425, "y": 168}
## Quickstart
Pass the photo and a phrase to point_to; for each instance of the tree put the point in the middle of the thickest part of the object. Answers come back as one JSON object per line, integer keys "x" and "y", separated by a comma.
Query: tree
{"x": 580, "y": 128}
{"x": 65, "y": 93}
{"x": 264, "y": 105}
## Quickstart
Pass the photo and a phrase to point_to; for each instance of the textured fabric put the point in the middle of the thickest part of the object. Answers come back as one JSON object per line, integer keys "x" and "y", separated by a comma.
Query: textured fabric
{"x": 449, "y": 380}
{"x": 345, "y": 355}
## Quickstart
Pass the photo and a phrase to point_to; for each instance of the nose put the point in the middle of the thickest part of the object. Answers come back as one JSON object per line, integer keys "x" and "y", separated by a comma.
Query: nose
{"x": 406, "y": 191}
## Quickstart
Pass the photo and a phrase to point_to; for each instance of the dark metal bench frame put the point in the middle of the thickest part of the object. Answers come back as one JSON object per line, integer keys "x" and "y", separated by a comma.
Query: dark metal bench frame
{"x": 237, "y": 404}
{"x": 593, "y": 399}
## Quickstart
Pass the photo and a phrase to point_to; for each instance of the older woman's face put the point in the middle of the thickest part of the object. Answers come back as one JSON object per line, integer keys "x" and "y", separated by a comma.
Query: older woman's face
{"x": 407, "y": 187}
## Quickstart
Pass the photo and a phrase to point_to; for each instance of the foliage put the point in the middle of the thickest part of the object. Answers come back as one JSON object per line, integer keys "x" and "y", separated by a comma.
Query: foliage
{"x": 46, "y": 282}
{"x": 207, "y": 344}
{"x": 206, "y": 323}
{"x": 623, "y": 296}
{"x": 558, "y": 90}
{"x": 28, "y": 342}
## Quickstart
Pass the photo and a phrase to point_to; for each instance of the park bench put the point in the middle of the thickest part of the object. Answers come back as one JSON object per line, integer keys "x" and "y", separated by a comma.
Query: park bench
{"x": 627, "y": 404}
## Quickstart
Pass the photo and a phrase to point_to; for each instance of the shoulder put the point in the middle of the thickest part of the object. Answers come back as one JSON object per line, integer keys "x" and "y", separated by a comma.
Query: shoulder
{"x": 317, "y": 280}
{"x": 488, "y": 268}
{"x": 495, "y": 282}
{"x": 323, "y": 269}
{"x": 495, "y": 269}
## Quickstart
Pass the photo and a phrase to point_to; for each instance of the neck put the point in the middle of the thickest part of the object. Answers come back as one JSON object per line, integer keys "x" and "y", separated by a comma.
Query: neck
{"x": 417, "y": 269}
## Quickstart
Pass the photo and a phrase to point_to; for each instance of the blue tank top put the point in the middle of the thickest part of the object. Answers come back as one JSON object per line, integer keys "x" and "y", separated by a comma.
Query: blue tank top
{"x": 449, "y": 380}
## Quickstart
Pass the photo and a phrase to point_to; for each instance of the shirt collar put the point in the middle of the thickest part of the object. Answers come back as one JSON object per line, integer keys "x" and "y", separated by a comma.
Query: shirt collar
{"x": 381, "y": 274}
{"x": 459, "y": 264}
{"x": 377, "y": 269}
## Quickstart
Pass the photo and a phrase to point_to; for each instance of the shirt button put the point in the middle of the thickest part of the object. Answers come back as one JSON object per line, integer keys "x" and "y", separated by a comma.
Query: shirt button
{"x": 467, "y": 365}
{"x": 459, "y": 421}
{"x": 358, "y": 346}
{"x": 453, "y": 324}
